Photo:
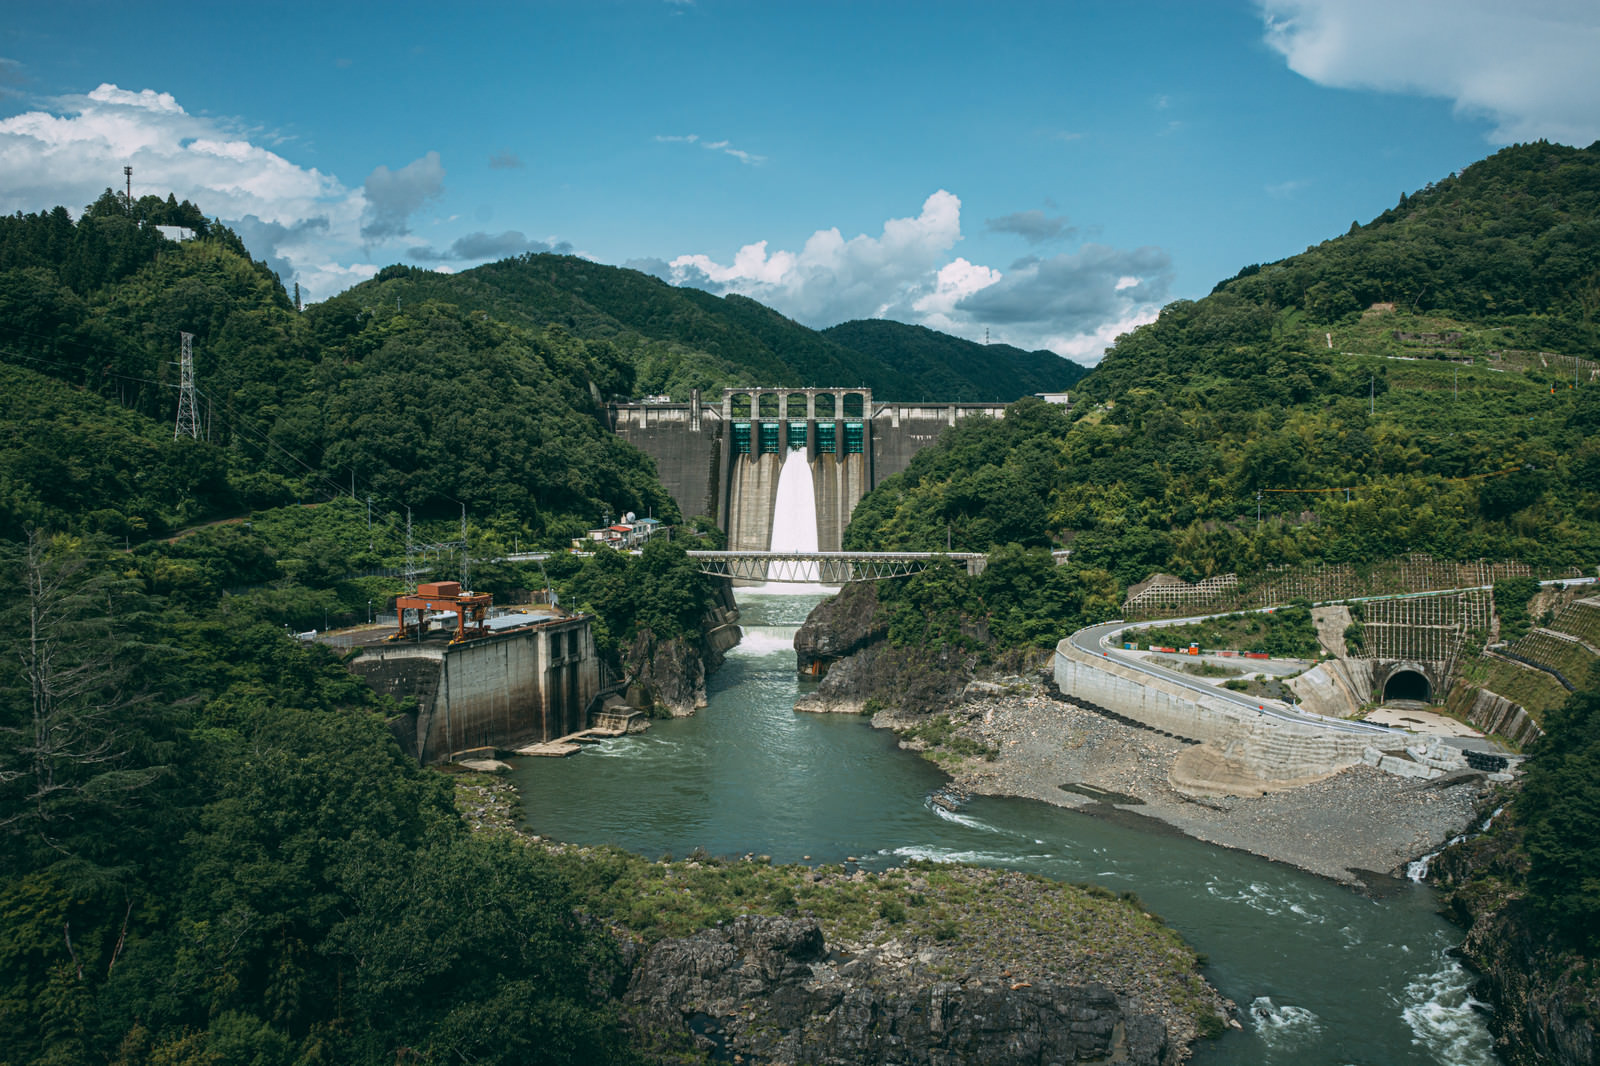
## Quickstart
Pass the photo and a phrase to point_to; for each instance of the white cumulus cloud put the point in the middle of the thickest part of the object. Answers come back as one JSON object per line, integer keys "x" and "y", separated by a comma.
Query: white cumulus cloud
{"x": 306, "y": 224}
{"x": 1529, "y": 67}
{"x": 832, "y": 279}
{"x": 1074, "y": 303}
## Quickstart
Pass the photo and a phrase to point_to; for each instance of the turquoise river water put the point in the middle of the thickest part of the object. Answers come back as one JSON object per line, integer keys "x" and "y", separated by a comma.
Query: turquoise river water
{"x": 1321, "y": 974}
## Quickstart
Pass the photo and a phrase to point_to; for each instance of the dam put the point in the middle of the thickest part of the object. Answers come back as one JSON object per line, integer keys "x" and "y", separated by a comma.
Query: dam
{"x": 724, "y": 460}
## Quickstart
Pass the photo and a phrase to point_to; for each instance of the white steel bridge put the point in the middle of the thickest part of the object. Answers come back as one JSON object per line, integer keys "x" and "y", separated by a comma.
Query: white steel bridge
{"x": 828, "y": 568}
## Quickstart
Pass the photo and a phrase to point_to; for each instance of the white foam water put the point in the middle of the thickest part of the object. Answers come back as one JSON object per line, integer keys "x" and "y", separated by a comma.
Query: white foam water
{"x": 1263, "y": 898}
{"x": 794, "y": 525}
{"x": 963, "y": 819}
{"x": 1442, "y": 1015}
{"x": 764, "y": 640}
{"x": 950, "y": 855}
{"x": 1282, "y": 1027}
{"x": 1417, "y": 869}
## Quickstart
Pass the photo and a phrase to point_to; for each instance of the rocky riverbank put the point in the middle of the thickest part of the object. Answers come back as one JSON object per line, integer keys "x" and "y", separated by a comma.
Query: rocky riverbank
{"x": 1016, "y": 737}
{"x": 667, "y": 678}
{"x": 745, "y": 961}
{"x": 1546, "y": 992}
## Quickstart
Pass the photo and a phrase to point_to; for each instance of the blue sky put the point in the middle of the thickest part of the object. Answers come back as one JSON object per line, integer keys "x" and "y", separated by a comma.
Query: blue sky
{"x": 1052, "y": 173}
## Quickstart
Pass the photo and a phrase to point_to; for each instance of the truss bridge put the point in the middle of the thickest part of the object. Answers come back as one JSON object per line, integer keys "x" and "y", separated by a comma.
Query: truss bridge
{"x": 827, "y": 568}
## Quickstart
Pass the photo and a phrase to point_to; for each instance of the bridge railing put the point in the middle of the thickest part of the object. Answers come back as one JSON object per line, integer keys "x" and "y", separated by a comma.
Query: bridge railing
{"x": 828, "y": 568}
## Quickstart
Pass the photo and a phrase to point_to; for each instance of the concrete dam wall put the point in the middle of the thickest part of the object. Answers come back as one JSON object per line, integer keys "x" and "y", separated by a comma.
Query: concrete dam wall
{"x": 723, "y": 460}
{"x": 499, "y": 691}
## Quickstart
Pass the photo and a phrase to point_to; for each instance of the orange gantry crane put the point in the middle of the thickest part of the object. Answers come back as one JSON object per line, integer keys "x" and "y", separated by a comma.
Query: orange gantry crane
{"x": 471, "y": 609}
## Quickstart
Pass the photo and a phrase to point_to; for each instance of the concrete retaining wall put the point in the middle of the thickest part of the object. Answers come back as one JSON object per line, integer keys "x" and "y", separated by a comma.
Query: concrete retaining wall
{"x": 1336, "y": 688}
{"x": 895, "y": 441}
{"x": 1493, "y": 713}
{"x": 1263, "y": 749}
{"x": 686, "y": 460}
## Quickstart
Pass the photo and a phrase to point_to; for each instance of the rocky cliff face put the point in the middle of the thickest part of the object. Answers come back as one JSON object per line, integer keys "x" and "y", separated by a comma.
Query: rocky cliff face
{"x": 670, "y": 675}
{"x": 843, "y": 642}
{"x": 1546, "y": 997}
{"x": 768, "y": 989}
{"x": 838, "y": 627}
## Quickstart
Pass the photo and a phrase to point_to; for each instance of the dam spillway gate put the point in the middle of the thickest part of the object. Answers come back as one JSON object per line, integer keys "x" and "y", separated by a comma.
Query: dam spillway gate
{"x": 724, "y": 460}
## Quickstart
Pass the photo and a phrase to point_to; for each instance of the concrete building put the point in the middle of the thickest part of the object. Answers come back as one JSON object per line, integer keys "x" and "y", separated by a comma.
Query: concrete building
{"x": 531, "y": 676}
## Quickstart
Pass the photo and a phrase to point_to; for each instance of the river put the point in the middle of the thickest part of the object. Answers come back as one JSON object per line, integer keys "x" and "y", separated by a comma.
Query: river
{"x": 1322, "y": 974}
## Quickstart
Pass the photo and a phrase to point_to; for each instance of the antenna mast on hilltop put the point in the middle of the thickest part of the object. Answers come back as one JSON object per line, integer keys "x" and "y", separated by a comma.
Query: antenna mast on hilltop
{"x": 188, "y": 416}
{"x": 127, "y": 172}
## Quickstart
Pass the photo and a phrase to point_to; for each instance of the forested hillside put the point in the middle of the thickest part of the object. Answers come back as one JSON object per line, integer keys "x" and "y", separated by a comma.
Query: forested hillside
{"x": 419, "y": 404}
{"x": 677, "y": 339}
{"x": 946, "y": 365}
{"x": 1446, "y": 402}
{"x": 211, "y": 849}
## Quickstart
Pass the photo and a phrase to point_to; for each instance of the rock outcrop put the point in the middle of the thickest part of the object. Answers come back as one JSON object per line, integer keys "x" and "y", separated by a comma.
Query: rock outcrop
{"x": 768, "y": 989}
{"x": 670, "y": 675}
{"x": 839, "y": 626}
{"x": 913, "y": 681}
{"x": 1545, "y": 995}
{"x": 843, "y": 642}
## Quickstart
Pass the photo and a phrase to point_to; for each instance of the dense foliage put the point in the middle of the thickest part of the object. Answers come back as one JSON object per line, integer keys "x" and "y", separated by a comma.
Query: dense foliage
{"x": 419, "y": 404}
{"x": 215, "y": 853}
{"x": 660, "y": 589}
{"x": 950, "y": 368}
{"x": 1559, "y": 810}
{"x": 1287, "y": 632}
{"x": 1351, "y": 444}
{"x": 1022, "y": 600}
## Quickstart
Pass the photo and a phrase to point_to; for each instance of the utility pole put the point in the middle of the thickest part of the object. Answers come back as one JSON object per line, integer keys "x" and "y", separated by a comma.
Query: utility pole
{"x": 188, "y": 418}
{"x": 466, "y": 571}
{"x": 1258, "y": 508}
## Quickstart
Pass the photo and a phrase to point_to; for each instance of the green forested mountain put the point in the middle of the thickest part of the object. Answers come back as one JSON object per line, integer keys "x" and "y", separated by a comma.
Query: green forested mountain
{"x": 947, "y": 365}
{"x": 420, "y": 404}
{"x": 1444, "y": 402}
{"x": 677, "y": 339}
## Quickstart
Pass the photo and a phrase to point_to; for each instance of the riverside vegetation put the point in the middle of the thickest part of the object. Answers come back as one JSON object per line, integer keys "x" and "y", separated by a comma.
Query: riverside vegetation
{"x": 956, "y": 924}
{"x": 212, "y": 851}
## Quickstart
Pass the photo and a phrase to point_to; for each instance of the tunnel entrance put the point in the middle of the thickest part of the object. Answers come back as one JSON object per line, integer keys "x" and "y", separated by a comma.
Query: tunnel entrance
{"x": 1407, "y": 685}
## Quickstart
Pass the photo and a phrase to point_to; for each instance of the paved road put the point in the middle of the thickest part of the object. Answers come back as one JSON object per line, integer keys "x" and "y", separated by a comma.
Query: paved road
{"x": 1098, "y": 640}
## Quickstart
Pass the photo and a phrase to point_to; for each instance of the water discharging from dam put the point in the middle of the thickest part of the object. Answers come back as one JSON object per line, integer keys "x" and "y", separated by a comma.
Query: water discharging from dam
{"x": 794, "y": 521}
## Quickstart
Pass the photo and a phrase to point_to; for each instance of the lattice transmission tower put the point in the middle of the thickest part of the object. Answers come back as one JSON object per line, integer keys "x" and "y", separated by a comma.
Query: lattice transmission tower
{"x": 188, "y": 413}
